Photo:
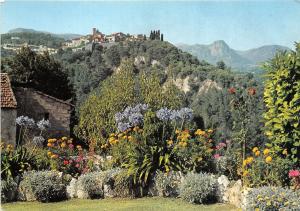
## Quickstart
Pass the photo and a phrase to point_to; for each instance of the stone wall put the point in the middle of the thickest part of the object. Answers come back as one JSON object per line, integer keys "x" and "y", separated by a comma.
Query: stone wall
{"x": 37, "y": 105}
{"x": 8, "y": 125}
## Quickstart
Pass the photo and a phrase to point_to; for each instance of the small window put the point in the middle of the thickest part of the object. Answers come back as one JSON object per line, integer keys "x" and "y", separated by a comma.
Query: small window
{"x": 46, "y": 116}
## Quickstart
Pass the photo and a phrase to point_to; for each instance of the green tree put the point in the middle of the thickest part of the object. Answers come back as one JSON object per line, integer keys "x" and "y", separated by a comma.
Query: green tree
{"x": 282, "y": 98}
{"x": 39, "y": 71}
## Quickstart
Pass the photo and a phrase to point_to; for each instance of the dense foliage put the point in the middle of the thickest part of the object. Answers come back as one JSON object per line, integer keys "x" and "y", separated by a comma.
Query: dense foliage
{"x": 282, "y": 98}
{"x": 39, "y": 71}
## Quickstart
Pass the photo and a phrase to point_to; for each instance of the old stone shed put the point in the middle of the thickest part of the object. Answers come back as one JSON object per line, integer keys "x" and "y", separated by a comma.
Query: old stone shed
{"x": 38, "y": 105}
{"x": 8, "y": 111}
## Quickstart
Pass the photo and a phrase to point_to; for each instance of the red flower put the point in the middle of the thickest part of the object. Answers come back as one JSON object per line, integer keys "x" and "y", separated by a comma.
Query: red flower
{"x": 252, "y": 91}
{"x": 66, "y": 162}
{"x": 294, "y": 173}
{"x": 232, "y": 90}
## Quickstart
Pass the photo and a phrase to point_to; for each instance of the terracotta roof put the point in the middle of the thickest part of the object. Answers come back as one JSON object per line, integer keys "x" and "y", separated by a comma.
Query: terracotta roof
{"x": 8, "y": 99}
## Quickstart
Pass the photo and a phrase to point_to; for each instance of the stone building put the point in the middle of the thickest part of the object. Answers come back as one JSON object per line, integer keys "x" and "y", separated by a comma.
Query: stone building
{"x": 38, "y": 105}
{"x": 8, "y": 111}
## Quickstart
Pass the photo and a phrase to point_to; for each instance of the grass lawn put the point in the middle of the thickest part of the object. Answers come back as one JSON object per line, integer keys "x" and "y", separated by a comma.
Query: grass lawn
{"x": 143, "y": 204}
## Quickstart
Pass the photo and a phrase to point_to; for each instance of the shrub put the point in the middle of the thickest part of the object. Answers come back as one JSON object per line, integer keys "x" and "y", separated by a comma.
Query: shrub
{"x": 44, "y": 186}
{"x": 282, "y": 102}
{"x": 167, "y": 184}
{"x": 198, "y": 188}
{"x": 269, "y": 198}
{"x": 91, "y": 184}
{"x": 124, "y": 185}
{"x": 9, "y": 190}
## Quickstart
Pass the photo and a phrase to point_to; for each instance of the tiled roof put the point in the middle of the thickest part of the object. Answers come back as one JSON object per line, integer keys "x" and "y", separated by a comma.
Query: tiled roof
{"x": 8, "y": 99}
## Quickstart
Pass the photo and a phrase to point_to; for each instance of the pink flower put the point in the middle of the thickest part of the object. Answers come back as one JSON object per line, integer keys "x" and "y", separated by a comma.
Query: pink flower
{"x": 71, "y": 146}
{"x": 216, "y": 156}
{"x": 77, "y": 165}
{"x": 294, "y": 173}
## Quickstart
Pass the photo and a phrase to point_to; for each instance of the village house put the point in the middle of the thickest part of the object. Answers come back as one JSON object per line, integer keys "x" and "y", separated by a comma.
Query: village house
{"x": 34, "y": 104}
{"x": 8, "y": 111}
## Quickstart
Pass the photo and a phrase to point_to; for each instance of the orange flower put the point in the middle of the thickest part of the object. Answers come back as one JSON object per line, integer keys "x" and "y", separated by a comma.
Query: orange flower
{"x": 50, "y": 145}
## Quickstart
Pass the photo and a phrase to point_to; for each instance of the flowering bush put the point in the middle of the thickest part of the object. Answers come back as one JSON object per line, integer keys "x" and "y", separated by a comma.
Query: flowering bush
{"x": 295, "y": 176}
{"x": 265, "y": 168}
{"x": 68, "y": 158}
{"x": 272, "y": 198}
{"x": 148, "y": 140}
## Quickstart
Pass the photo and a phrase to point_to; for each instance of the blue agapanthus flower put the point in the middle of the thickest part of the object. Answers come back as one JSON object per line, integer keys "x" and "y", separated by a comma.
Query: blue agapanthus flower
{"x": 122, "y": 126}
{"x": 136, "y": 119}
{"x": 164, "y": 114}
{"x": 25, "y": 121}
{"x": 43, "y": 124}
{"x": 186, "y": 114}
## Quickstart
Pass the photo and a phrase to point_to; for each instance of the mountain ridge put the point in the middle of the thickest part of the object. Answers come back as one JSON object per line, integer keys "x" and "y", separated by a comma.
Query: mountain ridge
{"x": 219, "y": 50}
{"x": 66, "y": 36}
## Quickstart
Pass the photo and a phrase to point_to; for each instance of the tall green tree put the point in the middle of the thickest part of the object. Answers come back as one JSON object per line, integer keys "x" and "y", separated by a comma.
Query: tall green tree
{"x": 282, "y": 98}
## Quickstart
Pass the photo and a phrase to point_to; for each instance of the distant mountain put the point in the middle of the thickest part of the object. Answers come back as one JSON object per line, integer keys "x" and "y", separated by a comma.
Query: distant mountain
{"x": 248, "y": 60}
{"x": 66, "y": 36}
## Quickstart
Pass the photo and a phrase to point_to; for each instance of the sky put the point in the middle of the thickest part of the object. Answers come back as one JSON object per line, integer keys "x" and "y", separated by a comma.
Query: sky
{"x": 241, "y": 24}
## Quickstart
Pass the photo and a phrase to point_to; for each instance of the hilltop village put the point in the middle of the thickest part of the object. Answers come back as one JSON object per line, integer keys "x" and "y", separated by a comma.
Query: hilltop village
{"x": 85, "y": 42}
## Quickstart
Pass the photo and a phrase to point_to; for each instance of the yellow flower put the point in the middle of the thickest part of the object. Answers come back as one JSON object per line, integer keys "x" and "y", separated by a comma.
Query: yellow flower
{"x": 120, "y": 135}
{"x": 249, "y": 160}
{"x": 268, "y": 159}
{"x": 69, "y": 141}
{"x": 245, "y": 173}
{"x": 244, "y": 162}
{"x": 112, "y": 134}
{"x": 266, "y": 151}
{"x": 130, "y": 138}
{"x": 177, "y": 131}
{"x": 170, "y": 142}
{"x": 284, "y": 152}
{"x": 199, "y": 132}
{"x": 63, "y": 145}
{"x": 135, "y": 129}
{"x": 256, "y": 209}
{"x": 54, "y": 156}
{"x": 210, "y": 131}
{"x": 257, "y": 153}
{"x": 64, "y": 138}
{"x": 49, "y": 153}
{"x": 184, "y": 144}
{"x": 255, "y": 149}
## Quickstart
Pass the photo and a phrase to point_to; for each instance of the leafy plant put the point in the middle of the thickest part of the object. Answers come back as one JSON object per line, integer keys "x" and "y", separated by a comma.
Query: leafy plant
{"x": 167, "y": 184}
{"x": 14, "y": 162}
{"x": 198, "y": 188}
{"x": 282, "y": 100}
{"x": 91, "y": 184}
{"x": 45, "y": 186}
